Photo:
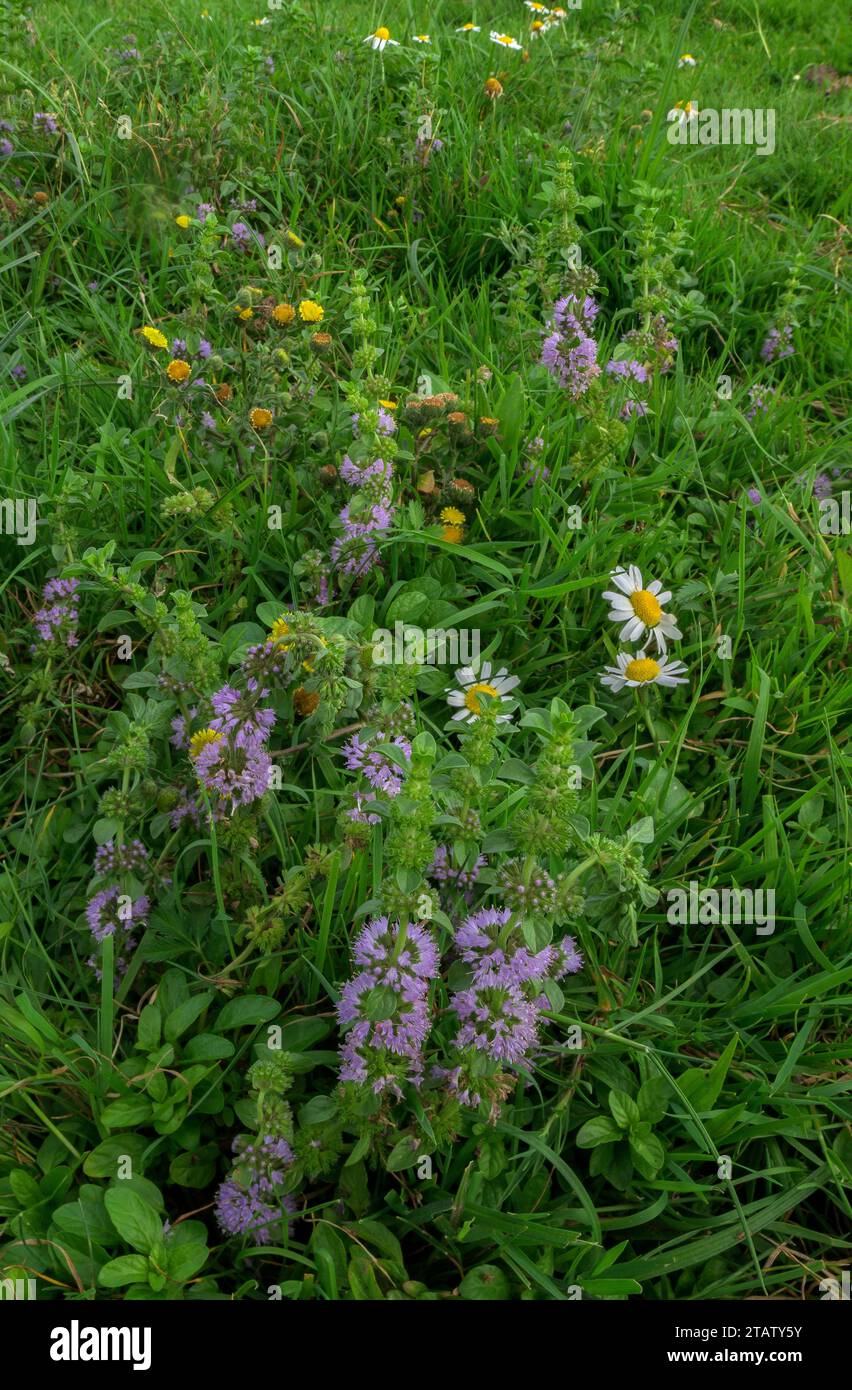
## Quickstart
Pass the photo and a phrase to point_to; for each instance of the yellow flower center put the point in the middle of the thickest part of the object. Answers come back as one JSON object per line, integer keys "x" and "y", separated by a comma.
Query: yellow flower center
{"x": 452, "y": 516}
{"x": 646, "y": 607}
{"x": 642, "y": 668}
{"x": 201, "y": 740}
{"x": 481, "y": 688}
{"x": 382, "y": 33}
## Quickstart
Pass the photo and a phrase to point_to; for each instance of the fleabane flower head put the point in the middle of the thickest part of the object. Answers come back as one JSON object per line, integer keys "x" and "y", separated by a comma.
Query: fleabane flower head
{"x": 641, "y": 670}
{"x": 686, "y": 60}
{"x": 420, "y": 38}
{"x": 640, "y": 609}
{"x": 504, "y": 40}
{"x": 380, "y": 38}
{"x": 468, "y": 29}
{"x": 466, "y": 698}
{"x": 154, "y": 337}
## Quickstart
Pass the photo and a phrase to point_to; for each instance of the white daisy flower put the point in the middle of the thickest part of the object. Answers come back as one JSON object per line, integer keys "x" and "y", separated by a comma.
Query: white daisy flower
{"x": 686, "y": 60}
{"x": 536, "y": 8}
{"x": 468, "y": 29}
{"x": 640, "y": 610}
{"x": 505, "y": 40}
{"x": 380, "y": 39}
{"x": 420, "y": 38}
{"x": 642, "y": 670}
{"x": 472, "y": 684}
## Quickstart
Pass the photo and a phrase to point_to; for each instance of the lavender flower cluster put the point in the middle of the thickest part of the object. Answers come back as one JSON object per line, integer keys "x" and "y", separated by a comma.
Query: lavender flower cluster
{"x": 370, "y": 513}
{"x": 249, "y": 1202}
{"x": 230, "y": 757}
{"x": 56, "y": 621}
{"x": 569, "y": 351}
{"x": 112, "y": 911}
{"x": 499, "y": 1009}
{"x": 385, "y": 1007}
{"x": 778, "y": 344}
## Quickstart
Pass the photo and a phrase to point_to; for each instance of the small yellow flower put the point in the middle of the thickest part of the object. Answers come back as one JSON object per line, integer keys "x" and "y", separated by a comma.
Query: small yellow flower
{"x": 451, "y": 516}
{"x": 177, "y": 370}
{"x": 260, "y": 417}
{"x": 183, "y": 221}
{"x": 155, "y": 337}
{"x": 311, "y": 312}
{"x": 493, "y": 88}
{"x": 244, "y": 314}
{"x": 283, "y": 313}
{"x": 454, "y": 535}
{"x": 294, "y": 240}
{"x": 201, "y": 740}
{"x": 279, "y": 630}
{"x": 388, "y": 405}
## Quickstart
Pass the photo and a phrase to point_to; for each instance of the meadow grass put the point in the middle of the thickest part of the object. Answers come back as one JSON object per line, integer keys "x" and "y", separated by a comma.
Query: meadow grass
{"x": 743, "y": 772}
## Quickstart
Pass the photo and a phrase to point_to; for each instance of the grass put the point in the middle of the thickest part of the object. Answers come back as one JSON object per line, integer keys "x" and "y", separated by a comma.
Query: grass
{"x": 743, "y": 772}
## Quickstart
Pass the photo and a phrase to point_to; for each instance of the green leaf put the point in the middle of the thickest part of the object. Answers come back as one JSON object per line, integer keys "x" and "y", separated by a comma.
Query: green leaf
{"x": 104, "y": 1161}
{"x": 246, "y": 1012}
{"x": 647, "y": 1150}
{"x": 653, "y": 1099}
{"x": 185, "y": 1015}
{"x": 599, "y": 1130}
{"x": 318, "y": 1111}
{"x": 486, "y": 1283}
{"x": 362, "y": 1281}
{"x": 150, "y": 1024}
{"x": 379, "y": 1003}
{"x": 129, "y": 1110}
{"x": 702, "y": 1087}
{"x": 183, "y": 1261}
{"x": 135, "y": 1221}
{"x": 207, "y": 1047}
{"x": 302, "y": 1033}
{"x": 624, "y": 1109}
{"x": 127, "y": 1269}
{"x": 404, "y": 1154}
